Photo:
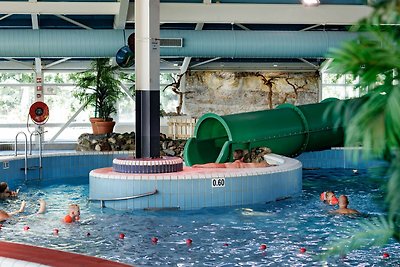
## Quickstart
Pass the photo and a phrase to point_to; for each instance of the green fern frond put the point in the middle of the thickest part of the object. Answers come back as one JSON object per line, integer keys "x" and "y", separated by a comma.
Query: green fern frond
{"x": 393, "y": 196}
{"x": 376, "y": 232}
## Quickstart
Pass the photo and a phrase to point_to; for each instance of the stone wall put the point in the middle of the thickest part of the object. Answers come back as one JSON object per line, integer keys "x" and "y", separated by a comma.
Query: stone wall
{"x": 224, "y": 92}
{"x": 126, "y": 142}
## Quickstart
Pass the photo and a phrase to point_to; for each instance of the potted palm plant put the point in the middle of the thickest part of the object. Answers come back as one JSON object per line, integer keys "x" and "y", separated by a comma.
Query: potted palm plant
{"x": 99, "y": 87}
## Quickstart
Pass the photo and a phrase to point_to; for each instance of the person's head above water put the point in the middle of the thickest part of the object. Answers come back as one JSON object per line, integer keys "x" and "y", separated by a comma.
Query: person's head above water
{"x": 3, "y": 187}
{"x": 238, "y": 154}
{"x": 343, "y": 201}
{"x": 74, "y": 213}
{"x": 329, "y": 198}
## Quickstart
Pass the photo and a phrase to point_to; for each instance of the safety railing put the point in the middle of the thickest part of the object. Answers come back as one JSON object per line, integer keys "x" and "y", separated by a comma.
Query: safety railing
{"x": 102, "y": 200}
{"x": 26, "y": 151}
{"x": 40, "y": 149}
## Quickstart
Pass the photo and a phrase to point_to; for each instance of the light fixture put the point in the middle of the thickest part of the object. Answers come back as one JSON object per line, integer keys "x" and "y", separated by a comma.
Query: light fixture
{"x": 310, "y": 2}
{"x": 275, "y": 65}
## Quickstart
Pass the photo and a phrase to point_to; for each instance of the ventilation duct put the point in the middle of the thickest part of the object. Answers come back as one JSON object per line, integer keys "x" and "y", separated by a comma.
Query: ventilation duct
{"x": 230, "y": 44}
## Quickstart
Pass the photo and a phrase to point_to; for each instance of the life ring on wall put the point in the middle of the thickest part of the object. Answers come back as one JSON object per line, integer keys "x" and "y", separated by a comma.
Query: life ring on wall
{"x": 39, "y": 112}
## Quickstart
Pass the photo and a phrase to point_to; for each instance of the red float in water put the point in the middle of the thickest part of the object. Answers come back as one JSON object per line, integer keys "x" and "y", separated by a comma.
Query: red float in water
{"x": 88, "y": 234}
{"x": 26, "y": 228}
{"x": 263, "y": 247}
{"x": 385, "y": 255}
{"x": 55, "y": 231}
{"x": 189, "y": 241}
{"x": 303, "y": 250}
{"x": 154, "y": 239}
{"x": 121, "y": 236}
{"x": 226, "y": 244}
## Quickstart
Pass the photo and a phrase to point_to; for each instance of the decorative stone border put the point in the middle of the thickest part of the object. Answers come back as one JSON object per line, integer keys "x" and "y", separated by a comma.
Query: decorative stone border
{"x": 147, "y": 165}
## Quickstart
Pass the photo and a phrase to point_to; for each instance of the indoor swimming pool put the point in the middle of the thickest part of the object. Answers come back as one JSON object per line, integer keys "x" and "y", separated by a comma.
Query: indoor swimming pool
{"x": 220, "y": 236}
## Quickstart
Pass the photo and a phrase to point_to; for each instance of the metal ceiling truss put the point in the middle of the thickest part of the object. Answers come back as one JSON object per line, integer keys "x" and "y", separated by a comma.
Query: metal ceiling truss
{"x": 206, "y": 12}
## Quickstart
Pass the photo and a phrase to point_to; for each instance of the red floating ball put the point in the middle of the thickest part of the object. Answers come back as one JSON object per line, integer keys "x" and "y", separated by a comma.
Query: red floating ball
{"x": 121, "y": 236}
{"x": 385, "y": 255}
{"x": 303, "y": 250}
{"x": 189, "y": 241}
{"x": 26, "y": 228}
{"x": 154, "y": 239}
{"x": 55, "y": 231}
{"x": 263, "y": 247}
{"x": 87, "y": 234}
{"x": 68, "y": 219}
{"x": 226, "y": 244}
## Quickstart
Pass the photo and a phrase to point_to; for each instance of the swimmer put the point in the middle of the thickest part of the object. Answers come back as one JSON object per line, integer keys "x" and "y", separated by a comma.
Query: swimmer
{"x": 74, "y": 213}
{"x": 6, "y": 215}
{"x": 343, "y": 209}
{"x": 5, "y": 191}
{"x": 329, "y": 197}
{"x": 251, "y": 212}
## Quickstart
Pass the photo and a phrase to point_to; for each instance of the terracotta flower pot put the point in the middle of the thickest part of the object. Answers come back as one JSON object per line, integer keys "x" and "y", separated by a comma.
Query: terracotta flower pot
{"x": 94, "y": 126}
{"x": 104, "y": 127}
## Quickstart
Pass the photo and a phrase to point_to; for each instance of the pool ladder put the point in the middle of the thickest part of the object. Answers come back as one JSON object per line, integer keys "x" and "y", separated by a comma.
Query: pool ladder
{"x": 26, "y": 168}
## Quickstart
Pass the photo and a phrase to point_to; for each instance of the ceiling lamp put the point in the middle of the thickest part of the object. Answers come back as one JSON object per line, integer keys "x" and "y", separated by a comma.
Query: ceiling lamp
{"x": 310, "y": 2}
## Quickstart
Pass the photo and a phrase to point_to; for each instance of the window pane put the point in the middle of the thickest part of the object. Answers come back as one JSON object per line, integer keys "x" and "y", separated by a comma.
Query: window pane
{"x": 333, "y": 91}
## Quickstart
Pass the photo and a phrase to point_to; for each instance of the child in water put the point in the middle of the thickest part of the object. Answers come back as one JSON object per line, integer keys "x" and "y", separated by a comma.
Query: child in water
{"x": 73, "y": 213}
{"x": 329, "y": 197}
{"x": 6, "y": 215}
{"x": 5, "y": 191}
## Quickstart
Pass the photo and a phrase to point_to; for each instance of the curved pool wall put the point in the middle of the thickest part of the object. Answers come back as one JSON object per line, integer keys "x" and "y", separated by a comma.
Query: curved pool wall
{"x": 195, "y": 188}
{"x": 55, "y": 165}
{"x": 65, "y": 165}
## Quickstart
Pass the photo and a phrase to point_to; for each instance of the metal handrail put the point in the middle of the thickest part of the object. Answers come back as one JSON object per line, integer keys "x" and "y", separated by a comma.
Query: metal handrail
{"x": 26, "y": 151}
{"x": 123, "y": 198}
{"x": 36, "y": 132}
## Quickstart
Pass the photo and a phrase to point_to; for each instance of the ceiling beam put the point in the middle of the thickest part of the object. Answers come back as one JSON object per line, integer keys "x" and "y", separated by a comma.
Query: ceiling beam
{"x": 309, "y": 63}
{"x": 205, "y": 62}
{"x": 69, "y": 8}
{"x": 56, "y": 62}
{"x": 5, "y": 16}
{"x": 259, "y": 13}
{"x": 73, "y": 22}
{"x": 326, "y": 64}
{"x": 29, "y": 66}
{"x": 120, "y": 18}
{"x": 204, "y": 12}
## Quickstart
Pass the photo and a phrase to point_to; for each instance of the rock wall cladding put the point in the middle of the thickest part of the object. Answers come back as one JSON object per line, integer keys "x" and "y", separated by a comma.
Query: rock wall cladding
{"x": 235, "y": 92}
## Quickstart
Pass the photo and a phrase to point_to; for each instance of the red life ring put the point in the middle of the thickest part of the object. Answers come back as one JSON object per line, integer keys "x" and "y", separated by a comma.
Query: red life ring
{"x": 39, "y": 112}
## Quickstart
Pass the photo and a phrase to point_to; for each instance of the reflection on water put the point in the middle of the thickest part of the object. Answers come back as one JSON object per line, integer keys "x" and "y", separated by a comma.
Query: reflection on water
{"x": 221, "y": 236}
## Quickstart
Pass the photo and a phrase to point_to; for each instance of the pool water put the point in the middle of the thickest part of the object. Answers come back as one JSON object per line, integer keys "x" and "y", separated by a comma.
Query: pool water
{"x": 221, "y": 236}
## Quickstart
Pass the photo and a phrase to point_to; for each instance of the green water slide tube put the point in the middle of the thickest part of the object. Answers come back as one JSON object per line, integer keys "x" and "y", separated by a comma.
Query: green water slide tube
{"x": 287, "y": 130}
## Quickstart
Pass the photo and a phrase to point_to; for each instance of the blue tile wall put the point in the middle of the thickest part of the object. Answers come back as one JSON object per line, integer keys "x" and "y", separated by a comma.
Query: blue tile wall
{"x": 338, "y": 158}
{"x": 54, "y": 166}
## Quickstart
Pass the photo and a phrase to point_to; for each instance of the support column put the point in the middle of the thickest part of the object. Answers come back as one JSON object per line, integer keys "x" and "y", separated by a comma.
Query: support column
{"x": 39, "y": 92}
{"x": 147, "y": 70}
